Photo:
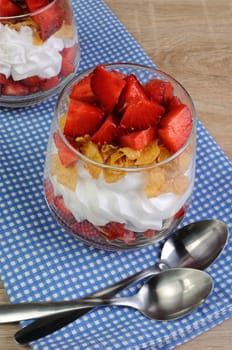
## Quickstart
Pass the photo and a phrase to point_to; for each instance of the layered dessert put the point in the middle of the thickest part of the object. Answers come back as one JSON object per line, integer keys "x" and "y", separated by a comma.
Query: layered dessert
{"x": 120, "y": 162}
{"x": 38, "y": 46}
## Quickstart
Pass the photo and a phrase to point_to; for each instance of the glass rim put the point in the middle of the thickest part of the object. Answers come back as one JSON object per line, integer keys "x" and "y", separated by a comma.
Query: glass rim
{"x": 114, "y": 167}
{"x": 27, "y": 14}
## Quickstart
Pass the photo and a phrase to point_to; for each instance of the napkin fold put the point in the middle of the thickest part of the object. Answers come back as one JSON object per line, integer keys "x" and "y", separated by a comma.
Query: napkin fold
{"x": 40, "y": 261}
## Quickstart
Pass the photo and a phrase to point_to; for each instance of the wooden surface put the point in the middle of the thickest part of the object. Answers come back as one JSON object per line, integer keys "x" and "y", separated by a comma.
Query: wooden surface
{"x": 191, "y": 40}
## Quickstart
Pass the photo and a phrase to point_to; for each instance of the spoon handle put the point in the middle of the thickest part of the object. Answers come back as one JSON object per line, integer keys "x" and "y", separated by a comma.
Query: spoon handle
{"x": 49, "y": 324}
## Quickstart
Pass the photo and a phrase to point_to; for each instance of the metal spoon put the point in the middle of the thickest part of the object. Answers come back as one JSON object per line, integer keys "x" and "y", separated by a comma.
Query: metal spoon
{"x": 168, "y": 295}
{"x": 196, "y": 245}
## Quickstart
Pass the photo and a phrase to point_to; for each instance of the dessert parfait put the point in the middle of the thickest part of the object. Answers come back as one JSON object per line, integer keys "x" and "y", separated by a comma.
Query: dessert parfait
{"x": 120, "y": 162}
{"x": 39, "y": 49}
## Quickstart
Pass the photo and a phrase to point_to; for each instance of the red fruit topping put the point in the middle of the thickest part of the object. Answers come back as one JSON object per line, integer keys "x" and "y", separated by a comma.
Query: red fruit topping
{"x": 83, "y": 91}
{"x": 50, "y": 20}
{"x": 68, "y": 58}
{"x": 159, "y": 91}
{"x": 181, "y": 212}
{"x": 14, "y": 89}
{"x": 3, "y": 79}
{"x": 116, "y": 230}
{"x": 49, "y": 191}
{"x": 85, "y": 228}
{"x": 8, "y": 8}
{"x": 107, "y": 131}
{"x": 175, "y": 127}
{"x": 33, "y": 81}
{"x": 141, "y": 115}
{"x": 175, "y": 101}
{"x": 67, "y": 156}
{"x": 107, "y": 87}
{"x": 50, "y": 83}
{"x": 133, "y": 92}
{"x": 150, "y": 233}
{"x": 82, "y": 118}
{"x": 35, "y": 5}
{"x": 66, "y": 68}
{"x": 59, "y": 203}
{"x": 138, "y": 139}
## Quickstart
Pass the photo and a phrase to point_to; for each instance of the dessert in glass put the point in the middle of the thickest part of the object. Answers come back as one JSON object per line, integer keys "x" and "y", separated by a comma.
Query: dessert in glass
{"x": 39, "y": 50}
{"x": 120, "y": 162}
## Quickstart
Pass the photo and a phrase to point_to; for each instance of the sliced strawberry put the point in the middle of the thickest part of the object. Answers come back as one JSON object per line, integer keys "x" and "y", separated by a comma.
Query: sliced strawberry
{"x": 159, "y": 91}
{"x": 141, "y": 115}
{"x": 138, "y": 139}
{"x": 35, "y": 80}
{"x": 107, "y": 87}
{"x": 82, "y": 118}
{"x": 35, "y": 5}
{"x": 8, "y": 8}
{"x": 66, "y": 68}
{"x": 66, "y": 155}
{"x": 50, "y": 20}
{"x": 3, "y": 79}
{"x": 63, "y": 213}
{"x": 175, "y": 127}
{"x": 133, "y": 92}
{"x": 150, "y": 233}
{"x": 116, "y": 230}
{"x": 181, "y": 212}
{"x": 13, "y": 88}
{"x": 69, "y": 53}
{"x": 107, "y": 131}
{"x": 83, "y": 91}
{"x": 50, "y": 83}
{"x": 175, "y": 101}
{"x": 49, "y": 191}
{"x": 86, "y": 229}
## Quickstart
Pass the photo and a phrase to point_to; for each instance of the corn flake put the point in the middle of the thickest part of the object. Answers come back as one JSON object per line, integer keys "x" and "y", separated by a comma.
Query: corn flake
{"x": 65, "y": 176}
{"x": 154, "y": 182}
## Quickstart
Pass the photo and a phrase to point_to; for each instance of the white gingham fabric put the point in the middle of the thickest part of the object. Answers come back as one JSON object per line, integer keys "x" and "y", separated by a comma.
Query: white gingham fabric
{"x": 40, "y": 261}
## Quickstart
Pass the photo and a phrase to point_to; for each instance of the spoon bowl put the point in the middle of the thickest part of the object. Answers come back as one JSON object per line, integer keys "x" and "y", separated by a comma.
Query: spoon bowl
{"x": 196, "y": 245}
{"x": 168, "y": 295}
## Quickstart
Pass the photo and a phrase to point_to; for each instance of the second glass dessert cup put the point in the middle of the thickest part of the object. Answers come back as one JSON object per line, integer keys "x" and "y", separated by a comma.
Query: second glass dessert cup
{"x": 39, "y": 51}
{"x": 119, "y": 207}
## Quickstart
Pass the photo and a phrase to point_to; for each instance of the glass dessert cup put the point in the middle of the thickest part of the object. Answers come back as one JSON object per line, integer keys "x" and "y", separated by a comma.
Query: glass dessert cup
{"x": 114, "y": 207}
{"x": 39, "y": 51}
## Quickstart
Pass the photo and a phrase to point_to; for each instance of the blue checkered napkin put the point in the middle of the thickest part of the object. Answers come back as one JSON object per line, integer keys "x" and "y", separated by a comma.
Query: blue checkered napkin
{"x": 40, "y": 261}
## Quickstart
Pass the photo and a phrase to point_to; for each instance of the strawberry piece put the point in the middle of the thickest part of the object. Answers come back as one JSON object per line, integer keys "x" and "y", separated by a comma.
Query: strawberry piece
{"x": 35, "y": 5}
{"x": 131, "y": 93}
{"x": 8, "y": 9}
{"x": 141, "y": 115}
{"x": 107, "y": 131}
{"x": 138, "y": 139}
{"x": 50, "y": 83}
{"x": 159, "y": 91}
{"x": 86, "y": 229}
{"x": 66, "y": 68}
{"x": 3, "y": 79}
{"x": 107, "y": 87}
{"x": 175, "y": 127}
{"x": 83, "y": 91}
{"x": 50, "y": 20}
{"x": 82, "y": 118}
{"x": 13, "y": 88}
{"x": 116, "y": 230}
{"x": 66, "y": 155}
{"x": 49, "y": 191}
{"x": 62, "y": 212}
{"x": 150, "y": 233}
{"x": 175, "y": 101}
{"x": 181, "y": 212}
{"x": 35, "y": 80}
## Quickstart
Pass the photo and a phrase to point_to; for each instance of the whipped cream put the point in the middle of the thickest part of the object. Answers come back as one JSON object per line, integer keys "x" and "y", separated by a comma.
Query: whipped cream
{"x": 21, "y": 59}
{"x": 123, "y": 201}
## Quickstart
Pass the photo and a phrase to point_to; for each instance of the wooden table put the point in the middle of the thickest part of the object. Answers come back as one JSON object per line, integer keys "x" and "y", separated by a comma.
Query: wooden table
{"x": 191, "y": 40}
